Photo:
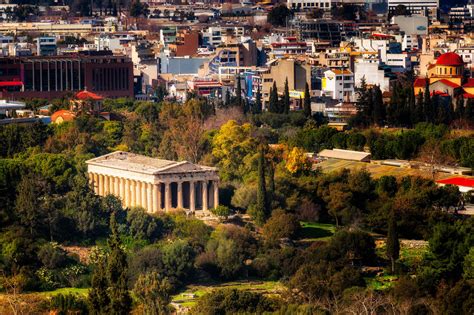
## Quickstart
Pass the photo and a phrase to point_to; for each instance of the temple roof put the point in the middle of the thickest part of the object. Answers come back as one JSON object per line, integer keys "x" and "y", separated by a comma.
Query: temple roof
{"x": 143, "y": 164}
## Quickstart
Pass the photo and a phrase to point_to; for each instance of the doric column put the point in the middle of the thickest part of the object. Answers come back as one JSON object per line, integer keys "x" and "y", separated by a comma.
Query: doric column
{"x": 143, "y": 196}
{"x": 128, "y": 197}
{"x": 96, "y": 183}
{"x": 204, "y": 195}
{"x": 180, "y": 195}
{"x": 192, "y": 196}
{"x": 106, "y": 184}
{"x": 133, "y": 193}
{"x": 136, "y": 193}
{"x": 215, "y": 185}
{"x": 101, "y": 184}
{"x": 116, "y": 186}
{"x": 122, "y": 190}
{"x": 167, "y": 196}
{"x": 90, "y": 176}
{"x": 149, "y": 197}
{"x": 156, "y": 197}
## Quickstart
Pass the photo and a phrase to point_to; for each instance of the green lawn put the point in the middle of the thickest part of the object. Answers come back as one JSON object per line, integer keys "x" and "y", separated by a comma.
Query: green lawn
{"x": 192, "y": 293}
{"x": 312, "y": 231}
{"x": 65, "y": 291}
{"x": 412, "y": 257}
{"x": 381, "y": 282}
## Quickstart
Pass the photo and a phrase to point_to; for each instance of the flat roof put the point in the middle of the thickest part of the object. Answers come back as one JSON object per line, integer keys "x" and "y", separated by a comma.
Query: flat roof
{"x": 344, "y": 154}
{"x": 143, "y": 164}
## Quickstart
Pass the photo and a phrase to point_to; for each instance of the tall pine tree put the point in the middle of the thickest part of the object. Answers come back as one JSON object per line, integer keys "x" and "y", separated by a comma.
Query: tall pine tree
{"x": 418, "y": 115}
{"x": 273, "y": 102}
{"x": 307, "y": 101}
{"x": 238, "y": 93}
{"x": 286, "y": 99}
{"x": 393, "y": 243}
{"x": 98, "y": 297}
{"x": 427, "y": 106}
{"x": 378, "y": 113}
{"x": 117, "y": 271}
{"x": 262, "y": 202}
{"x": 257, "y": 108}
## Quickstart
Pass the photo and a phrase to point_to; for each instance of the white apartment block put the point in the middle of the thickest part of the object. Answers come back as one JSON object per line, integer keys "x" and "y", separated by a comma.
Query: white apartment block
{"x": 339, "y": 85}
{"x": 399, "y": 62}
{"x": 410, "y": 42}
{"x": 467, "y": 54}
{"x": 309, "y": 4}
{"x": 372, "y": 74}
{"x": 417, "y": 7}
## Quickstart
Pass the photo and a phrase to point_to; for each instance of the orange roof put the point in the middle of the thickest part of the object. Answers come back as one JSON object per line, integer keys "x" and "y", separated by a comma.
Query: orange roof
{"x": 450, "y": 59}
{"x": 458, "y": 181}
{"x": 439, "y": 93}
{"x": 65, "y": 114}
{"x": 337, "y": 71}
{"x": 420, "y": 82}
{"x": 469, "y": 83}
{"x": 86, "y": 95}
{"x": 467, "y": 95}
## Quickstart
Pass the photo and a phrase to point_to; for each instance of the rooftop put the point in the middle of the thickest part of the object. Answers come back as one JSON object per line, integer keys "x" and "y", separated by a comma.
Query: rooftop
{"x": 147, "y": 165}
{"x": 457, "y": 181}
{"x": 345, "y": 154}
{"x": 450, "y": 59}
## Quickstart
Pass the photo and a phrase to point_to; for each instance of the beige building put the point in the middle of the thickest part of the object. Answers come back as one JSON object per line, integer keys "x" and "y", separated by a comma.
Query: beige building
{"x": 154, "y": 184}
{"x": 55, "y": 29}
{"x": 297, "y": 72}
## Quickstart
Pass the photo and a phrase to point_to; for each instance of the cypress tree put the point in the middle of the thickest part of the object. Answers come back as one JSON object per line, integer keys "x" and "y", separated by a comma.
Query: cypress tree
{"x": 271, "y": 185}
{"x": 393, "y": 243}
{"x": 418, "y": 114}
{"x": 378, "y": 113}
{"x": 273, "y": 106}
{"x": 238, "y": 93}
{"x": 228, "y": 99}
{"x": 469, "y": 111}
{"x": 459, "y": 110}
{"x": 307, "y": 101}
{"x": 262, "y": 203}
{"x": 117, "y": 270}
{"x": 98, "y": 298}
{"x": 258, "y": 102}
{"x": 286, "y": 99}
{"x": 427, "y": 112}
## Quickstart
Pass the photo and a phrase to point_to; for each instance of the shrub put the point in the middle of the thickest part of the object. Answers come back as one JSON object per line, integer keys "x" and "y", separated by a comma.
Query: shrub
{"x": 280, "y": 225}
{"x": 232, "y": 301}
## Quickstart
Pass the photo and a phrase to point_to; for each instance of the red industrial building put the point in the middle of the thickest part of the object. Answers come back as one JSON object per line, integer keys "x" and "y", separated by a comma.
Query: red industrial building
{"x": 52, "y": 77}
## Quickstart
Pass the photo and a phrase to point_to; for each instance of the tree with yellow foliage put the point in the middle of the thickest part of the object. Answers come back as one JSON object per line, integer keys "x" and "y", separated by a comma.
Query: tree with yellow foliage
{"x": 297, "y": 161}
{"x": 233, "y": 146}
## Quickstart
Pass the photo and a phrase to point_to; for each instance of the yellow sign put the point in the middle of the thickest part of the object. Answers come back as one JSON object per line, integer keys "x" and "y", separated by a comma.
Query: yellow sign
{"x": 296, "y": 94}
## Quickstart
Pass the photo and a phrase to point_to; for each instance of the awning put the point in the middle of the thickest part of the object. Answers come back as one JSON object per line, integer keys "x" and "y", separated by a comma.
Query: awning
{"x": 10, "y": 83}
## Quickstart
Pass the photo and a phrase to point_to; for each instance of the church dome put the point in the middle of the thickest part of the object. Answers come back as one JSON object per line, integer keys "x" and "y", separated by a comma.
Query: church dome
{"x": 450, "y": 59}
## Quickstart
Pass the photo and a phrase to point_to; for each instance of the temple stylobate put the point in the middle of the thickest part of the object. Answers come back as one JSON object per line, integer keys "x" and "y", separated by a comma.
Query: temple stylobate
{"x": 154, "y": 184}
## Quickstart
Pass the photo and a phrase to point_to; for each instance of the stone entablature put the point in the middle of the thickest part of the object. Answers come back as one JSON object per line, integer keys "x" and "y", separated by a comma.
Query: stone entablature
{"x": 154, "y": 184}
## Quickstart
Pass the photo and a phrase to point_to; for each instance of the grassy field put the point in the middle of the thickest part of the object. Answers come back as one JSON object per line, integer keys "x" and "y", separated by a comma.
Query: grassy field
{"x": 375, "y": 170}
{"x": 65, "y": 291}
{"x": 382, "y": 282}
{"x": 312, "y": 231}
{"x": 192, "y": 293}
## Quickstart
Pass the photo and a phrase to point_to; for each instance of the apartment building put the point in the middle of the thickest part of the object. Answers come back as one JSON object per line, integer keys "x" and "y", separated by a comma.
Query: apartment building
{"x": 52, "y": 77}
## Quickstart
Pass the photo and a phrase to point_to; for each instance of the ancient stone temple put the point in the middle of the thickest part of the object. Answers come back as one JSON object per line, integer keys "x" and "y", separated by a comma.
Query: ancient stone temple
{"x": 154, "y": 184}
